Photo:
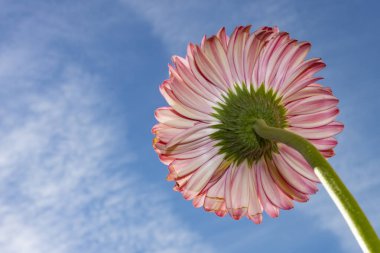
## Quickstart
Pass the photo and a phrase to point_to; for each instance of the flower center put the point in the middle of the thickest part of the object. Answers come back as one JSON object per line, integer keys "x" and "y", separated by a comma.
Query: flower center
{"x": 236, "y": 136}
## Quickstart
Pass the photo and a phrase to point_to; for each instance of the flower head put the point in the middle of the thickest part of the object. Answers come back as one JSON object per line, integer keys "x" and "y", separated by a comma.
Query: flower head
{"x": 206, "y": 135}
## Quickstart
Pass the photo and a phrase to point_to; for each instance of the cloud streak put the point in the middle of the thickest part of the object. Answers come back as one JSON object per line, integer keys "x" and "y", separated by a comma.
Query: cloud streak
{"x": 64, "y": 184}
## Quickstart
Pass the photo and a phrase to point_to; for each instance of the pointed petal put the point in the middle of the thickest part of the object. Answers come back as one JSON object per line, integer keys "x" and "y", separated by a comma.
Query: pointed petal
{"x": 311, "y": 105}
{"x": 297, "y": 162}
{"x": 313, "y": 120}
{"x": 321, "y": 132}
{"x": 201, "y": 177}
{"x": 169, "y": 117}
{"x": 237, "y": 191}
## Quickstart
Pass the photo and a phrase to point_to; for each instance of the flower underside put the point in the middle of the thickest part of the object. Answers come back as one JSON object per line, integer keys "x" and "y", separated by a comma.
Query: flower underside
{"x": 242, "y": 106}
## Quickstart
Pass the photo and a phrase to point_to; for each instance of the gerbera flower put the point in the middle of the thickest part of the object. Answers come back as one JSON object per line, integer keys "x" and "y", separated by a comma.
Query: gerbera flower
{"x": 206, "y": 135}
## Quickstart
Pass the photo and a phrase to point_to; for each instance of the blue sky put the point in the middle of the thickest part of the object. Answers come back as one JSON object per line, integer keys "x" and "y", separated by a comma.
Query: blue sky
{"x": 79, "y": 85}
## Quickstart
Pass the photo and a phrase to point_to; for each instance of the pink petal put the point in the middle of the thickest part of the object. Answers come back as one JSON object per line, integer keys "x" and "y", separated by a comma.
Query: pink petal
{"x": 238, "y": 49}
{"x": 182, "y": 147}
{"x": 215, "y": 200}
{"x": 181, "y": 108}
{"x": 309, "y": 91}
{"x": 295, "y": 79}
{"x": 188, "y": 97}
{"x": 198, "y": 201}
{"x": 194, "y": 133}
{"x": 217, "y": 54}
{"x": 314, "y": 119}
{"x": 293, "y": 178}
{"x": 324, "y": 144}
{"x": 237, "y": 191}
{"x": 194, "y": 152}
{"x": 169, "y": 117}
{"x": 198, "y": 75}
{"x": 269, "y": 55}
{"x": 254, "y": 207}
{"x": 290, "y": 59}
{"x": 223, "y": 37}
{"x": 208, "y": 69}
{"x": 180, "y": 168}
{"x": 184, "y": 71}
{"x": 283, "y": 185}
{"x": 311, "y": 104}
{"x": 297, "y": 162}
{"x": 201, "y": 177}
{"x": 165, "y": 133}
{"x": 252, "y": 50}
{"x": 273, "y": 193}
{"x": 231, "y": 54}
{"x": 321, "y": 132}
{"x": 271, "y": 209}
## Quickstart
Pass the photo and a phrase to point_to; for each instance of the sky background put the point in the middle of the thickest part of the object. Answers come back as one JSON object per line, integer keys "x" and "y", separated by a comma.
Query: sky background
{"x": 79, "y": 86}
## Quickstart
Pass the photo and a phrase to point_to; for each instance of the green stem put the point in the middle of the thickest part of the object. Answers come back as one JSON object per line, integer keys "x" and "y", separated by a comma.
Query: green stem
{"x": 346, "y": 203}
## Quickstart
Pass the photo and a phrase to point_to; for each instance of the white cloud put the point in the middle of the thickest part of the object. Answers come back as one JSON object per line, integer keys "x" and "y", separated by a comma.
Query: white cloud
{"x": 179, "y": 22}
{"x": 61, "y": 188}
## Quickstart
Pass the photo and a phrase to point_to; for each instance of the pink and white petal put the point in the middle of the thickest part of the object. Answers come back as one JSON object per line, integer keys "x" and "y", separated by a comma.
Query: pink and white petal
{"x": 190, "y": 134}
{"x": 293, "y": 178}
{"x": 257, "y": 218}
{"x": 208, "y": 69}
{"x": 309, "y": 91}
{"x": 272, "y": 210}
{"x": 297, "y": 79}
{"x": 231, "y": 53}
{"x": 179, "y": 182}
{"x": 255, "y": 208}
{"x": 223, "y": 37}
{"x": 165, "y": 133}
{"x": 272, "y": 191}
{"x": 324, "y": 144}
{"x": 218, "y": 55}
{"x": 264, "y": 70}
{"x": 201, "y": 177}
{"x": 283, "y": 185}
{"x": 311, "y": 105}
{"x": 237, "y": 191}
{"x": 187, "y": 96}
{"x": 272, "y": 74}
{"x": 292, "y": 56}
{"x": 215, "y": 200}
{"x": 181, "y": 168}
{"x": 297, "y": 162}
{"x": 203, "y": 133}
{"x": 199, "y": 201}
{"x": 169, "y": 157}
{"x": 216, "y": 91}
{"x": 184, "y": 71}
{"x": 298, "y": 85}
{"x": 313, "y": 120}
{"x": 321, "y": 132}
{"x": 256, "y": 80}
{"x": 169, "y": 117}
{"x": 181, "y": 108}
{"x": 238, "y": 50}
{"x": 328, "y": 153}
{"x": 182, "y": 147}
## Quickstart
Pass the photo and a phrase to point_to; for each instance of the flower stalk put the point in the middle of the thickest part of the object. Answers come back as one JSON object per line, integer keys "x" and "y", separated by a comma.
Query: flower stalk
{"x": 346, "y": 203}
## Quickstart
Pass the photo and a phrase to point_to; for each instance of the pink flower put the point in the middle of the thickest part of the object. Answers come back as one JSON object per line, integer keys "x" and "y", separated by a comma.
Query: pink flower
{"x": 215, "y": 94}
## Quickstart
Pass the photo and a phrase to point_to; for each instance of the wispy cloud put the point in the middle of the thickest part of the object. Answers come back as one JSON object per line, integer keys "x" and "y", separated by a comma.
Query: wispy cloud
{"x": 61, "y": 188}
{"x": 178, "y": 22}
